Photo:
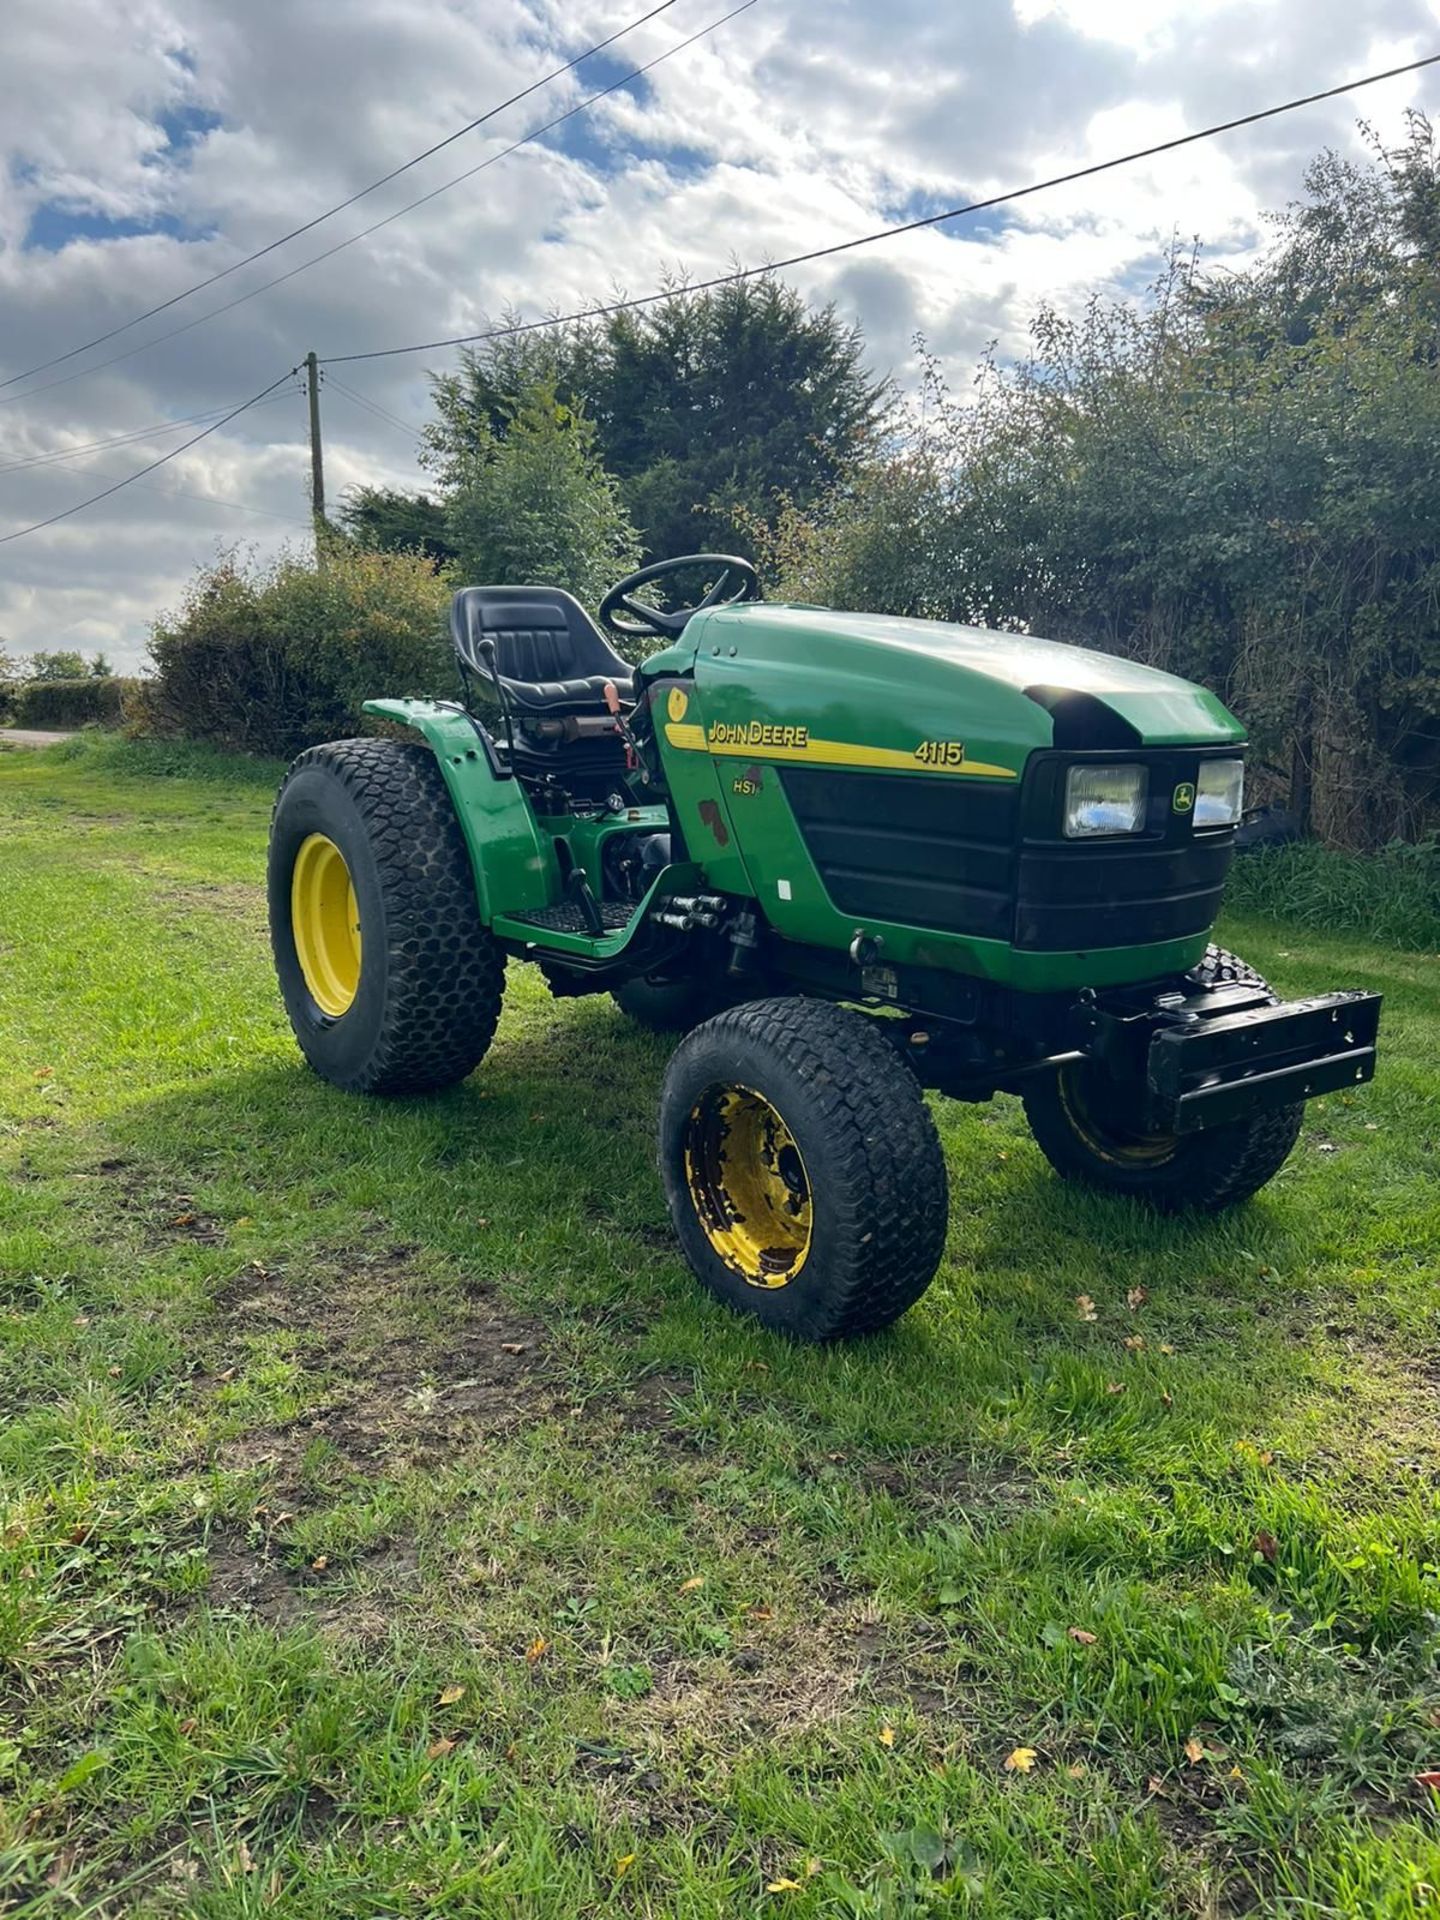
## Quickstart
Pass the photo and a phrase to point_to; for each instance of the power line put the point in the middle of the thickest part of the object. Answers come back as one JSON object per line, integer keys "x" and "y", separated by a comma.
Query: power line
{"x": 141, "y": 472}
{"x": 58, "y": 456}
{"x": 887, "y": 233}
{"x": 372, "y": 406}
{"x": 214, "y": 313}
{"x": 340, "y": 206}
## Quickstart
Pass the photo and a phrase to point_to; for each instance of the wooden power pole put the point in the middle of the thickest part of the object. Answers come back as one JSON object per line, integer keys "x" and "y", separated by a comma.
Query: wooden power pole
{"x": 317, "y": 457}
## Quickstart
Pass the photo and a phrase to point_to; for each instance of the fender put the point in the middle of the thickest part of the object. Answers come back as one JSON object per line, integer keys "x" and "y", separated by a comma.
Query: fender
{"x": 513, "y": 860}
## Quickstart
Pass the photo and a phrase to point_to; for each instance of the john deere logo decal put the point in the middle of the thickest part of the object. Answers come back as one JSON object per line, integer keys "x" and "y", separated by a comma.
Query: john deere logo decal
{"x": 1184, "y": 796}
{"x": 677, "y": 704}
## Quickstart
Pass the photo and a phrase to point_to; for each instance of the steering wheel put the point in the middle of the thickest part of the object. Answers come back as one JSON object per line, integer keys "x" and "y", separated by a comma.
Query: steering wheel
{"x": 645, "y": 622}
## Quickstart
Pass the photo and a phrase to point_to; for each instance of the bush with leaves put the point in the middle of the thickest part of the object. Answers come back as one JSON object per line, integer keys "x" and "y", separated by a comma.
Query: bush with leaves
{"x": 1236, "y": 482}
{"x": 273, "y": 659}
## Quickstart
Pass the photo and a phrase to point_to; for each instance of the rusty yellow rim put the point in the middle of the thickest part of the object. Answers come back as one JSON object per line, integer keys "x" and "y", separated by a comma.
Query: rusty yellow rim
{"x": 748, "y": 1185}
{"x": 1104, "y": 1139}
{"x": 326, "y": 924}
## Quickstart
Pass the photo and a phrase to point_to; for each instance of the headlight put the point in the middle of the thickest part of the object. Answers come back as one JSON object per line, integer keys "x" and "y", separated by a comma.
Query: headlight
{"x": 1104, "y": 800}
{"x": 1219, "y": 793}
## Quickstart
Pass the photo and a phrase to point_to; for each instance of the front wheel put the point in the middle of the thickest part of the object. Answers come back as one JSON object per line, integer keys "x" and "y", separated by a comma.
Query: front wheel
{"x": 391, "y": 980}
{"x": 802, "y": 1168}
{"x": 1085, "y": 1125}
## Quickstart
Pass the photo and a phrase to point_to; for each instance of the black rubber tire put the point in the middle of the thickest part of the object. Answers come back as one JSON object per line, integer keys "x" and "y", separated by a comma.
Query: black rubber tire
{"x": 431, "y": 974}
{"x": 1204, "y": 1172}
{"x": 667, "y": 1006}
{"x": 876, "y": 1174}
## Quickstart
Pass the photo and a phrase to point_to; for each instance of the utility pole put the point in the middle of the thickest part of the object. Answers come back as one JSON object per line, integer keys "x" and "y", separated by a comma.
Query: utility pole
{"x": 317, "y": 458}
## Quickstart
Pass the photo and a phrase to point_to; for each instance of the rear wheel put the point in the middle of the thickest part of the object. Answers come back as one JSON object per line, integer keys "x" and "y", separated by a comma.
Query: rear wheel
{"x": 668, "y": 1006}
{"x": 391, "y": 981}
{"x": 1085, "y": 1124}
{"x": 802, "y": 1168}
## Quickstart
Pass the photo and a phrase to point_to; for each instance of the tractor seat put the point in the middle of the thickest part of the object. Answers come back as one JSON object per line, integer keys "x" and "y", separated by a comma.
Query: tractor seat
{"x": 550, "y": 655}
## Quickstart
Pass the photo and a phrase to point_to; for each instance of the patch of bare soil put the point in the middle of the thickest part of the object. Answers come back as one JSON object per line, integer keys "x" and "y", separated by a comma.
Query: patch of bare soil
{"x": 384, "y": 1392}
{"x": 246, "y": 1576}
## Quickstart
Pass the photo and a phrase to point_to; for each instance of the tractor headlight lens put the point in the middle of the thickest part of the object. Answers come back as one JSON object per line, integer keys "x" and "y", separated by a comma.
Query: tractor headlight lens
{"x": 1219, "y": 793}
{"x": 1102, "y": 800}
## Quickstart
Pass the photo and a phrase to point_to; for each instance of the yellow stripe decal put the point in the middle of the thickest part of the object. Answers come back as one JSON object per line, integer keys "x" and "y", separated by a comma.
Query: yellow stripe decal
{"x": 840, "y": 753}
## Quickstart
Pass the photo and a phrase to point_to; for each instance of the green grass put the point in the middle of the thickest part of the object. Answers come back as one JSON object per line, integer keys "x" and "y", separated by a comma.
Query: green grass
{"x": 359, "y": 1463}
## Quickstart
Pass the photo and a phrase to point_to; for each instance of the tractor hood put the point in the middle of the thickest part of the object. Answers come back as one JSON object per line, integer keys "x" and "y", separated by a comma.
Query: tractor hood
{"x": 864, "y": 676}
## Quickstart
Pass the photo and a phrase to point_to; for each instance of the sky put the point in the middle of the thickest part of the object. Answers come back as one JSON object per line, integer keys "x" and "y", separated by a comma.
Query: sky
{"x": 151, "y": 145}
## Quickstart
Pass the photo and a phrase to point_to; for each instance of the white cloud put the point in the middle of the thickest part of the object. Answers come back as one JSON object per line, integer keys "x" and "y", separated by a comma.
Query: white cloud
{"x": 798, "y": 124}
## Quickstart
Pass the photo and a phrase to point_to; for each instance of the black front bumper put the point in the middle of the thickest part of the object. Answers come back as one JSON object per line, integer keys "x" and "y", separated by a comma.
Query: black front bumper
{"x": 1207, "y": 1070}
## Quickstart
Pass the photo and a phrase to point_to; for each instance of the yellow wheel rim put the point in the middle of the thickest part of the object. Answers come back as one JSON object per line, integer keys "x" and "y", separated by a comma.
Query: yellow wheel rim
{"x": 326, "y": 924}
{"x": 748, "y": 1185}
{"x": 1107, "y": 1141}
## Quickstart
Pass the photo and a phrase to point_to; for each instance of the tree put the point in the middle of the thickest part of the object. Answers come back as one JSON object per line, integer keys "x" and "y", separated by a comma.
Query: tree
{"x": 388, "y": 520}
{"x": 63, "y": 664}
{"x": 538, "y": 505}
{"x": 709, "y": 407}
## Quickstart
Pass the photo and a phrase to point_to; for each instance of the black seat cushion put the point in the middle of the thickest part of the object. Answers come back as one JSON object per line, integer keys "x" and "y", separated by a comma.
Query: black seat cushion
{"x": 550, "y": 655}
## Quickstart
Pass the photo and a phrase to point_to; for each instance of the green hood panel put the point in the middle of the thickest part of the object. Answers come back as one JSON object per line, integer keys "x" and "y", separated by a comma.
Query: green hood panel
{"x": 970, "y": 677}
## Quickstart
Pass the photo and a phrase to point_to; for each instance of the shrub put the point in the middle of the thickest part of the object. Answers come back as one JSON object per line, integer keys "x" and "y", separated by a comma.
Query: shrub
{"x": 89, "y": 702}
{"x": 270, "y": 660}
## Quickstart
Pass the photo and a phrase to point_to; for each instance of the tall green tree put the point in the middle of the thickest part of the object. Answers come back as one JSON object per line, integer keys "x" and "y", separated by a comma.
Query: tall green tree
{"x": 711, "y": 408}
{"x": 537, "y": 504}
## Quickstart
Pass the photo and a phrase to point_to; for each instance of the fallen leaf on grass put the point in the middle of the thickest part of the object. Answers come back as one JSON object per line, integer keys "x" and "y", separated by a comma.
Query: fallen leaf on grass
{"x": 437, "y": 1749}
{"x": 1267, "y": 1546}
{"x": 783, "y": 1886}
{"x": 624, "y": 1864}
{"x": 1081, "y": 1637}
{"x": 1114, "y": 1386}
{"x": 1167, "y": 1400}
{"x": 188, "y": 1726}
{"x": 1085, "y": 1308}
{"x": 247, "y": 1862}
{"x": 1194, "y": 1750}
{"x": 319, "y": 1563}
{"x": 43, "y": 1073}
{"x": 1134, "y": 1343}
{"x": 1165, "y": 1347}
{"x": 1431, "y": 1780}
{"x": 760, "y": 1613}
{"x": 228, "y": 1374}
{"x": 449, "y": 1695}
{"x": 1076, "y": 1770}
{"x": 537, "y": 1649}
{"x": 512, "y": 1346}
{"x": 1136, "y": 1298}
{"x": 693, "y": 1584}
{"x": 1157, "y": 1788}
{"x": 887, "y": 1736}
{"x": 1022, "y": 1760}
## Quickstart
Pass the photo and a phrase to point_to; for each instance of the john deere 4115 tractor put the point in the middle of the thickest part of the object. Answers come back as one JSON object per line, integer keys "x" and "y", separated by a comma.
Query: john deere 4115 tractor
{"x": 854, "y": 857}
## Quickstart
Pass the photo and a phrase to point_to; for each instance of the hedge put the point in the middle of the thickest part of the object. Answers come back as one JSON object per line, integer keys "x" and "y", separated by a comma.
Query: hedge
{"x": 92, "y": 702}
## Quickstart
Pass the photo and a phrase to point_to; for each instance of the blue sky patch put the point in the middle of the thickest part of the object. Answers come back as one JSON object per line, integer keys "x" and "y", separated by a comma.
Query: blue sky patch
{"x": 183, "y": 127}
{"x": 54, "y": 225}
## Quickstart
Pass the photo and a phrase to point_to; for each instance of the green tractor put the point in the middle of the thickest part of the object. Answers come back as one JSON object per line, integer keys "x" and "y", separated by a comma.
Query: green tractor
{"x": 851, "y": 857}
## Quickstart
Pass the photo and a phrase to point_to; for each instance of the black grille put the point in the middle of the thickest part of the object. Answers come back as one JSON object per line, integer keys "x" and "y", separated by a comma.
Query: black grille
{"x": 930, "y": 853}
{"x": 981, "y": 858}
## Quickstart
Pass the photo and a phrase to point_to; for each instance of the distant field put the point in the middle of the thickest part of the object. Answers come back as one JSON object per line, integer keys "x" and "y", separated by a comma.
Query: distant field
{"x": 389, "y": 1527}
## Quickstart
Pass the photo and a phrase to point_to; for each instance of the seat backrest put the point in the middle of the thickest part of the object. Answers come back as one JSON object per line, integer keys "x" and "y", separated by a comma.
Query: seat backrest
{"x": 541, "y": 634}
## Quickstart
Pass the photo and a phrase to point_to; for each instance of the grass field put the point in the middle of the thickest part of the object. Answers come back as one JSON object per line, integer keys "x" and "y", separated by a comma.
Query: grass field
{"x": 388, "y": 1526}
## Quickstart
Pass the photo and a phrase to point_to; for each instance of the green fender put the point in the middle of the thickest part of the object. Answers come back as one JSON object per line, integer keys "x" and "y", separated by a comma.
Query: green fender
{"x": 514, "y": 861}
